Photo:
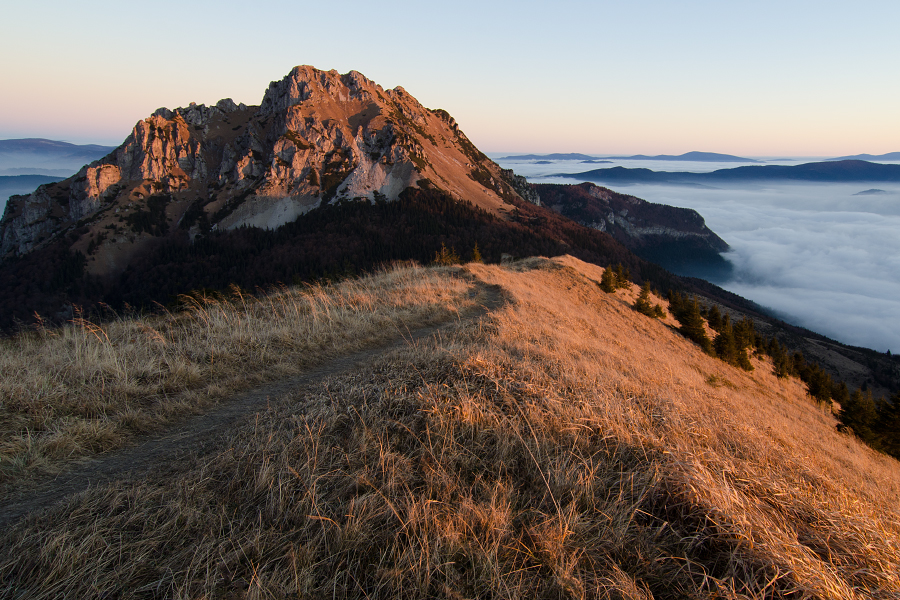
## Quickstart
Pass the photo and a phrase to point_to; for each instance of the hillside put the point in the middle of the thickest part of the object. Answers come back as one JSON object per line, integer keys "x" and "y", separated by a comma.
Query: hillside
{"x": 560, "y": 446}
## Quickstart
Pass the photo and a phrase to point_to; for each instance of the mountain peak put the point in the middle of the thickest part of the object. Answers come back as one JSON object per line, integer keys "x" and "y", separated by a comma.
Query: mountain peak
{"x": 316, "y": 138}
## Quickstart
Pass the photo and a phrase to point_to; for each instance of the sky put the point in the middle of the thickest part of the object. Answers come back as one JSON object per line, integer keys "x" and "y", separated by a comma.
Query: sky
{"x": 793, "y": 78}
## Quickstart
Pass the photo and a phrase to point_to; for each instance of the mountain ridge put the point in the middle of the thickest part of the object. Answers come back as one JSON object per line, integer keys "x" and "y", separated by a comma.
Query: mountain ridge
{"x": 828, "y": 171}
{"x": 870, "y": 157}
{"x": 693, "y": 156}
{"x": 316, "y": 137}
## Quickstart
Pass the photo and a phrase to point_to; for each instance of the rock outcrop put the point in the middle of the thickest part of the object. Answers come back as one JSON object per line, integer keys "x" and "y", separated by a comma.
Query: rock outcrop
{"x": 317, "y": 137}
{"x": 632, "y": 221}
{"x": 676, "y": 238}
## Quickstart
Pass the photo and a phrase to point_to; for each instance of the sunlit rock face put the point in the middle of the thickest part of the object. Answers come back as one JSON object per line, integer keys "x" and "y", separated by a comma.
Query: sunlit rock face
{"x": 317, "y": 137}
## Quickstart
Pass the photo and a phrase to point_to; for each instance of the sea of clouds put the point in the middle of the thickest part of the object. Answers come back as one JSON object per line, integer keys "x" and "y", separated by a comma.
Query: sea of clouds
{"x": 817, "y": 255}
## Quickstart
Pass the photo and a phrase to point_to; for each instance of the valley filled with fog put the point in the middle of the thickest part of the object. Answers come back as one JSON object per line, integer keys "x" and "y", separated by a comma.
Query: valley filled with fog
{"x": 817, "y": 255}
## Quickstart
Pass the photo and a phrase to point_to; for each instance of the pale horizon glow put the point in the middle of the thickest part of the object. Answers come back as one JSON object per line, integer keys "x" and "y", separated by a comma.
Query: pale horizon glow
{"x": 762, "y": 79}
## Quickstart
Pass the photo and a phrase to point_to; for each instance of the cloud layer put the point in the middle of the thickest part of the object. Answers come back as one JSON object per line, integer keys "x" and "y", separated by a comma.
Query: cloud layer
{"x": 821, "y": 257}
{"x": 815, "y": 254}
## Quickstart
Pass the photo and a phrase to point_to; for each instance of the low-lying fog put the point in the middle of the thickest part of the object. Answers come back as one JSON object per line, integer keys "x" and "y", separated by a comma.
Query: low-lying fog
{"x": 816, "y": 254}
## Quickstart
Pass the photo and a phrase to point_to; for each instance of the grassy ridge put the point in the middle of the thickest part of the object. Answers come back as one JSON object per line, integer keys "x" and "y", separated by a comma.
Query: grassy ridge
{"x": 563, "y": 447}
{"x": 86, "y": 388}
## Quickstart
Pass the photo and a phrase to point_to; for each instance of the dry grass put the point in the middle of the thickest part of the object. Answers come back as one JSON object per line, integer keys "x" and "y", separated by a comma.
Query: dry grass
{"x": 86, "y": 388}
{"x": 565, "y": 447}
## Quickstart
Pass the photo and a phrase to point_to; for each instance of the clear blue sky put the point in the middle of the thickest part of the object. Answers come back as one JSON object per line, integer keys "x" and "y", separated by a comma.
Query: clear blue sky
{"x": 754, "y": 78}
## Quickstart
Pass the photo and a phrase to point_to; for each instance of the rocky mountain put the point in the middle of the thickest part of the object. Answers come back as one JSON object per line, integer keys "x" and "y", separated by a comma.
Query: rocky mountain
{"x": 676, "y": 238}
{"x": 317, "y": 137}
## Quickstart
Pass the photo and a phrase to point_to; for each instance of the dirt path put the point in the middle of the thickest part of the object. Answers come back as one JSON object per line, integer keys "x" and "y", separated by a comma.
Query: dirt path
{"x": 201, "y": 434}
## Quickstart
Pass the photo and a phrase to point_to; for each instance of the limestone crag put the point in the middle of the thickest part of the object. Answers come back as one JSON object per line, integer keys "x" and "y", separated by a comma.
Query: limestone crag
{"x": 317, "y": 137}
{"x": 632, "y": 221}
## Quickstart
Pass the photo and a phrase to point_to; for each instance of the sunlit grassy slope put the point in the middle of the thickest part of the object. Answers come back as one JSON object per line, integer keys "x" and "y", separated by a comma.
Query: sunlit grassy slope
{"x": 86, "y": 388}
{"x": 564, "y": 446}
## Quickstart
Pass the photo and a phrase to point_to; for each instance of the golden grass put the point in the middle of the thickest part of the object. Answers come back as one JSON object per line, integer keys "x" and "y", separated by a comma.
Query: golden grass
{"x": 564, "y": 447}
{"x": 86, "y": 388}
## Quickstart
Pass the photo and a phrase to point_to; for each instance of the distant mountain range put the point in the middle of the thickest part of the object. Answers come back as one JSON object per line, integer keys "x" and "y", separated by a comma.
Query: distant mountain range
{"x": 53, "y": 147}
{"x": 689, "y": 157}
{"x": 832, "y": 171}
{"x": 36, "y": 156}
{"x": 888, "y": 156}
{"x": 686, "y": 157}
{"x": 571, "y": 156}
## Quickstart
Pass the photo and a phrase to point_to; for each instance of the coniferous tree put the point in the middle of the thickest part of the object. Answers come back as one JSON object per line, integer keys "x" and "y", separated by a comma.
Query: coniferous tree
{"x": 724, "y": 342}
{"x": 714, "y": 318}
{"x": 623, "y": 277}
{"x": 818, "y": 383}
{"x": 889, "y": 425}
{"x": 446, "y": 256}
{"x": 744, "y": 334}
{"x": 608, "y": 280}
{"x": 644, "y": 305}
{"x": 476, "y": 254}
{"x": 859, "y": 414}
{"x": 676, "y": 304}
{"x": 692, "y": 325}
{"x": 840, "y": 393}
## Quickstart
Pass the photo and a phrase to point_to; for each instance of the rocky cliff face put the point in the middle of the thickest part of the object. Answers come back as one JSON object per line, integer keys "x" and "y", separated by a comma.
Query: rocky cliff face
{"x": 318, "y": 137}
{"x": 676, "y": 238}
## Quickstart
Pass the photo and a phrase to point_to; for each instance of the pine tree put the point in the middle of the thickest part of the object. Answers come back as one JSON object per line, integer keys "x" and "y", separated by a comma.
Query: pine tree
{"x": 623, "y": 277}
{"x": 476, "y": 254}
{"x": 676, "y": 303}
{"x": 608, "y": 280}
{"x": 714, "y": 318}
{"x": 859, "y": 414}
{"x": 724, "y": 343}
{"x": 744, "y": 334}
{"x": 446, "y": 256}
{"x": 643, "y": 304}
{"x": 840, "y": 393}
{"x": 692, "y": 325}
{"x": 889, "y": 425}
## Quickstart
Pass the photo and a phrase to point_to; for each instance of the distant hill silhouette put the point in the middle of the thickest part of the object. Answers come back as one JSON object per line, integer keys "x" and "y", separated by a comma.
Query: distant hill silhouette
{"x": 689, "y": 157}
{"x": 888, "y": 156}
{"x": 572, "y": 156}
{"x": 36, "y": 156}
{"x": 43, "y": 146}
{"x": 831, "y": 171}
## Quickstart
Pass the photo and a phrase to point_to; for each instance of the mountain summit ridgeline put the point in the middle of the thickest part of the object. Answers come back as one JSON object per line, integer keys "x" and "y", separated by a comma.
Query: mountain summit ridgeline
{"x": 317, "y": 137}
